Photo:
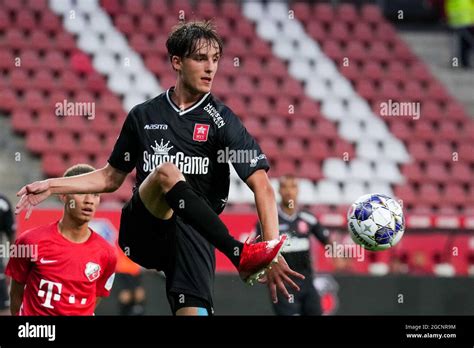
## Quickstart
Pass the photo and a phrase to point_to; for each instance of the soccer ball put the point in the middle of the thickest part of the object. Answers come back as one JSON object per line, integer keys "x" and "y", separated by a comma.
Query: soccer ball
{"x": 376, "y": 221}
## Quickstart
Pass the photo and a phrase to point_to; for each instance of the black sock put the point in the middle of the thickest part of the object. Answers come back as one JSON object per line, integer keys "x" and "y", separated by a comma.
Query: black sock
{"x": 188, "y": 205}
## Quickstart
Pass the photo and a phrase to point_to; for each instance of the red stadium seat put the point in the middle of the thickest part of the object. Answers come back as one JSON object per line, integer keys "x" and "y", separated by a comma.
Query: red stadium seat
{"x": 317, "y": 31}
{"x": 460, "y": 172}
{"x": 230, "y": 10}
{"x": 414, "y": 91}
{"x": 371, "y": 14}
{"x": 148, "y": 24}
{"x": 254, "y": 127}
{"x": 293, "y": 148}
{"x": 419, "y": 150}
{"x": 282, "y": 166}
{"x": 244, "y": 86}
{"x": 347, "y": 12}
{"x": 260, "y": 107}
{"x": 34, "y": 99}
{"x": 323, "y": 13}
{"x": 19, "y": 79}
{"x": 442, "y": 151}
{"x": 206, "y": 9}
{"x": 40, "y": 40}
{"x": 135, "y": 8}
{"x": 22, "y": 120}
{"x": 429, "y": 194}
{"x": 124, "y": 22}
{"x": 301, "y": 129}
{"x": 270, "y": 147}
{"x": 44, "y": 80}
{"x": 246, "y": 31}
{"x": 340, "y": 32}
{"x": 25, "y": 20}
{"x": 64, "y": 142}
{"x": 64, "y": 41}
{"x": 401, "y": 130}
{"x": 372, "y": 70}
{"x": 413, "y": 172}
{"x": 333, "y": 50}
{"x": 407, "y": 194}
{"x": 318, "y": 150}
{"x": 454, "y": 194}
{"x": 277, "y": 127}
{"x": 310, "y": 170}
{"x": 423, "y": 130}
{"x": 37, "y": 142}
{"x": 7, "y": 60}
{"x": 53, "y": 165}
{"x": 379, "y": 51}
{"x": 448, "y": 131}
{"x": 356, "y": 51}
{"x": 5, "y": 20}
{"x": 436, "y": 172}
{"x": 56, "y": 61}
{"x": 158, "y": 8}
{"x": 253, "y": 67}
{"x": 302, "y": 11}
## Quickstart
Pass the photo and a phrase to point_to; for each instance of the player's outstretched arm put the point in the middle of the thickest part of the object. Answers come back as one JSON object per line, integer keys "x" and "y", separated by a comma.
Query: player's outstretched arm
{"x": 265, "y": 201}
{"x": 106, "y": 179}
{"x": 16, "y": 296}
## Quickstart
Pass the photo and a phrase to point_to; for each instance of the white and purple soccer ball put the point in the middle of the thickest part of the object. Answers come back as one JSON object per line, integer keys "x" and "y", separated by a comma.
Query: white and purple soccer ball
{"x": 376, "y": 221}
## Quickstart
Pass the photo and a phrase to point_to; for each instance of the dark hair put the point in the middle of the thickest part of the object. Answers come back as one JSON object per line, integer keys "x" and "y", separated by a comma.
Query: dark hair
{"x": 78, "y": 169}
{"x": 183, "y": 39}
{"x": 287, "y": 176}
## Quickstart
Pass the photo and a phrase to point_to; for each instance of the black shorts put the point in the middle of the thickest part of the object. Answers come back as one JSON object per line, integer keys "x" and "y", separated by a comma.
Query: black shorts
{"x": 304, "y": 302}
{"x": 171, "y": 246}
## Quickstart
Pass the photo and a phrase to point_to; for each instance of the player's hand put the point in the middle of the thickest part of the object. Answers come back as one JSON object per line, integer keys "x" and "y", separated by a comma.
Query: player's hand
{"x": 277, "y": 276}
{"x": 31, "y": 195}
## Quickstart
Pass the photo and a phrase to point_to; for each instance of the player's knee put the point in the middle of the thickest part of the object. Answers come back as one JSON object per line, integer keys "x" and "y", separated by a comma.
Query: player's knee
{"x": 167, "y": 175}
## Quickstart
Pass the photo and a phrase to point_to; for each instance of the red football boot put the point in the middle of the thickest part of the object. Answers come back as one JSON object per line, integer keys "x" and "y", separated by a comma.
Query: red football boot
{"x": 257, "y": 258}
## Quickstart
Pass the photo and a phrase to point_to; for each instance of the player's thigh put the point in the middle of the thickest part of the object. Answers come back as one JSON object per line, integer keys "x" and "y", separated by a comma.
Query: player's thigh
{"x": 185, "y": 304}
{"x": 153, "y": 188}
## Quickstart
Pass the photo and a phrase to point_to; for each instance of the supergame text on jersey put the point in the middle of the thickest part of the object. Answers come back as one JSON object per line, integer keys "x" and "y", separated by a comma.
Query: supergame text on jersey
{"x": 194, "y": 139}
{"x": 62, "y": 277}
{"x": 298, "y": 227}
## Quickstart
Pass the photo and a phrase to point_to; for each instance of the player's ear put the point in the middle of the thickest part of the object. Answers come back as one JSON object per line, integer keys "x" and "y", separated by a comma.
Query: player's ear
{"x": 176, "y": 63}
{"x": 62, "y": 198}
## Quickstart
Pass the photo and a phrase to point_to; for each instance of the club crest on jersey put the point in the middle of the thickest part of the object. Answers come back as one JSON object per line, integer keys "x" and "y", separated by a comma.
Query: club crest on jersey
{"x": 200, "y": 132}
{"x": 92, "y": 271}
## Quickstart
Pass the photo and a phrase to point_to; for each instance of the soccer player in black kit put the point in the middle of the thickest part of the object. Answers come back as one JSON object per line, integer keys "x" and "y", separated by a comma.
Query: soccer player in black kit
{"x": 7, "y": 231}
{"x": 298, "y": 225}
{"x": 171, "y": 222}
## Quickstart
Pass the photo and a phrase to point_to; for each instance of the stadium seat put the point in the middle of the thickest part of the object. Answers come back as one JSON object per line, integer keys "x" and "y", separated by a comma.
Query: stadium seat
{"x": 336, "y": 169}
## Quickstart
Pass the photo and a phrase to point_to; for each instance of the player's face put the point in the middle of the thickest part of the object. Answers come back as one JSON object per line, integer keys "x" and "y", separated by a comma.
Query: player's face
{"x": 82, "y": 207}
{"x": 289, "y": 191}
{"x": 196, "y": 73}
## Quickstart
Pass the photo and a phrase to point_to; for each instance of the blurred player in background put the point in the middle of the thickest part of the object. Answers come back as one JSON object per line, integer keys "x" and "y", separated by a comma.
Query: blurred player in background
{"x": 7, "y": 230}
{"x": 298, "y": 225}
{"x": 171, "y": 223}
{"x": 74, "y": 266}
{"x": 131, "y": 292}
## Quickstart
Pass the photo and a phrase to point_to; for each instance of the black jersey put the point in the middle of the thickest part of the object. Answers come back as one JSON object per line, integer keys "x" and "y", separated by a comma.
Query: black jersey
{"x": 298, "y": 228}
{"x": 198, "y": 140}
